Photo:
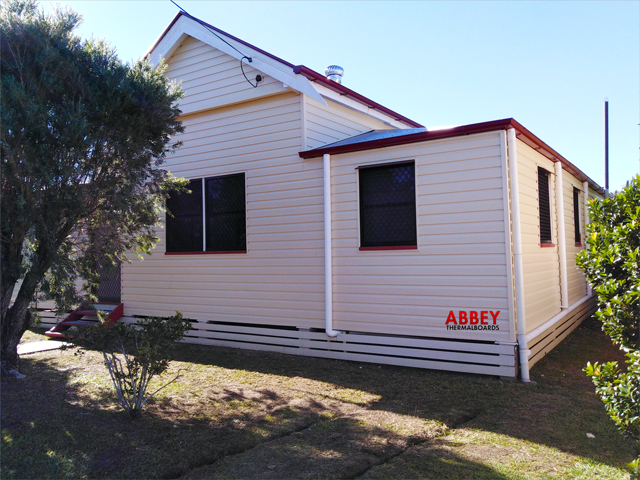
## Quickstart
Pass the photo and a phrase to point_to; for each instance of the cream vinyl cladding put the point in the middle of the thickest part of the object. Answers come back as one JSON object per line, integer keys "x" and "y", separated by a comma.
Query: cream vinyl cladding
{"x": 461, "y": 260}
{"x": 542, "y": 264}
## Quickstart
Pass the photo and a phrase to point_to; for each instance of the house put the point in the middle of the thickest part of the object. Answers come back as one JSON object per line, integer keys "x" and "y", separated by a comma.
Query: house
{"x": 322, "y": 223}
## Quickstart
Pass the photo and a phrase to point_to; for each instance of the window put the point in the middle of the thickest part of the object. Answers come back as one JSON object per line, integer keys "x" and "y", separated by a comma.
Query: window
{"x": 576, "y": 214}
{"x": 184, "y": 229}
{"x": 388, "y": 206}
{"x": 545, "y": 207}
{"x": 209, "y": 220}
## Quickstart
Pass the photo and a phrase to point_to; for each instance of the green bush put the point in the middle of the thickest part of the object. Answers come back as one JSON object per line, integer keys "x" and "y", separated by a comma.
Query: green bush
{"x": 135, "y": 354}
{"x": 611, "y": 263}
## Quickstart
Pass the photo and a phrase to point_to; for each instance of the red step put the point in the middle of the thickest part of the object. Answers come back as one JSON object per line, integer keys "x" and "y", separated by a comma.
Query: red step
{"x": 75, "y": 319}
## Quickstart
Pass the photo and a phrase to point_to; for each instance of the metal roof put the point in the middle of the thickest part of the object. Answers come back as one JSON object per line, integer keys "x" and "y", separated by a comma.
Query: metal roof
{"x": 371, "y": 136}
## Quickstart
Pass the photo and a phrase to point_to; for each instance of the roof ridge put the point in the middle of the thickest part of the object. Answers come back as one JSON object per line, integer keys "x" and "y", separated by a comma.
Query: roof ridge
{"x": 307, "y": 72}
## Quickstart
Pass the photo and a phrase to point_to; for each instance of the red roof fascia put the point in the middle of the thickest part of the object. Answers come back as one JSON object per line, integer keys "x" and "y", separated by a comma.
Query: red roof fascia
{"x": 413, "y": 138}
{"x": 342, "y": 90}
{"x": 522, "y": 134}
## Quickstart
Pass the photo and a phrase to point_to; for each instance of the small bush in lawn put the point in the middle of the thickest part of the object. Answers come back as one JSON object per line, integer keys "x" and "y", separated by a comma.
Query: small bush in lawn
{"x": 611, "y": 262}
{"x": 135, "y": 354}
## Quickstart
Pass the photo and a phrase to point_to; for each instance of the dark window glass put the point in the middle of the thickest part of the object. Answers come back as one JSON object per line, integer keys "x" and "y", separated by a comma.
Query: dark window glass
{"x": 576, "y": 213}
{"x": 388, "y": 206}
{"x": 225, "y": 213}
{"x": 545, "y": 207}
{"x": 184, "y": 228}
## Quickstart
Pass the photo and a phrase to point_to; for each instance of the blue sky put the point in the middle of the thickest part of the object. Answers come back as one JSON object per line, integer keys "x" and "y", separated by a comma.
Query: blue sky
{"x": 549, "y": 65}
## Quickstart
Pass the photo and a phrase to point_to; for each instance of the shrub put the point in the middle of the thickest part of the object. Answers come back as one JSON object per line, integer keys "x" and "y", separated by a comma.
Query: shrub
{"x": 135, "y": 354}
{"x": 611, "y": 263}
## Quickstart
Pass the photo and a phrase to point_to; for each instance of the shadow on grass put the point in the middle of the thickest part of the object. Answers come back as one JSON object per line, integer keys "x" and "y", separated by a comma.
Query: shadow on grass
{"x": 52, "y": 429}
{"x": 558, "y": 410}
{"x": 54, "y": 425}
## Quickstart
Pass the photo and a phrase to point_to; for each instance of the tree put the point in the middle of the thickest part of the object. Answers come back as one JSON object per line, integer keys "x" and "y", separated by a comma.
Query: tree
{"x": 611, "y": 262}
{"x": 135, "y": 354}
{"x": 81, "y": 140}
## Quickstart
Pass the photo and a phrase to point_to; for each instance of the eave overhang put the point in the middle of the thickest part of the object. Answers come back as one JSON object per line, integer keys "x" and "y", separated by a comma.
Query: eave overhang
{"x": 522, "y": 133}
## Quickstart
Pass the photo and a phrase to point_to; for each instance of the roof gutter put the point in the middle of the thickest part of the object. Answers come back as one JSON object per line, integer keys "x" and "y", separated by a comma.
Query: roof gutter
{"x": 314, "y": 76}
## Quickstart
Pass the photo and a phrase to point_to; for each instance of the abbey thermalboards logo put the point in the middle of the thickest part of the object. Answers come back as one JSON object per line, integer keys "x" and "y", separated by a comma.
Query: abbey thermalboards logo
{"x": 473, "y": 320}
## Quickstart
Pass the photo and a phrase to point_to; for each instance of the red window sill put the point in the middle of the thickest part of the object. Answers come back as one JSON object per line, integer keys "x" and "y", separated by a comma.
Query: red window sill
{"x": 397, "y": 247}
{"x": 205, "y": 253}
{"x": 578, "y": 244}
{"x": 544, "y": 245}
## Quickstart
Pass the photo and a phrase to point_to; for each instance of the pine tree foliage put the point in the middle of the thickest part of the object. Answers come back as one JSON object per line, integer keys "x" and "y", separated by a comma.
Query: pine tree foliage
{"x": 82, "y": 138}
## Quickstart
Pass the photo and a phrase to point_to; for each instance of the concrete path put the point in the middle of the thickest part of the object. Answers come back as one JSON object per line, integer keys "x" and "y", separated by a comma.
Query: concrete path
{"x": 34, "y": 347}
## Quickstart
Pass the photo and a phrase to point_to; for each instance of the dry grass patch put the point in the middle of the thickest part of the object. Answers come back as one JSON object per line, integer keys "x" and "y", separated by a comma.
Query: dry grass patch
{"x": 244, "y": 414}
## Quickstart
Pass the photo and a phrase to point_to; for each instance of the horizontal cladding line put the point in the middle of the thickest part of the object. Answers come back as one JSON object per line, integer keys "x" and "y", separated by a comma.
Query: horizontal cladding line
{"x": 498, "y": 191}
{"x": 232, "y": 82}
{"x": 500, "y": 275}
{"x": 412, "y": 256}
{"x": 209, "y": 75}
{"x": 275, "y": 169}
{"x": 208, "y": 120}
{"x": 319, "y": 309}
{"x": 255, "y": 207}
{"x": 282, "y": 118}
{"x": 203, "y": 66}
{"x": 268, "y": 319}
{"x": 258, "y": 148}
{"x": 240, "y": 164}
{"x": 259, "y": 108}
{"x": 332, "y": 132}
{"x": 256, "y": 139}
{"x": 275, "y": 284}
{"x": 349, "y": 127}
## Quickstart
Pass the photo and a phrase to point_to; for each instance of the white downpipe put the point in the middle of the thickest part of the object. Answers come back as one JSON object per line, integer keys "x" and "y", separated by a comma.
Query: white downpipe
{"x": 555, "y": 319}
{"x": 562, "y": 239}
{"x": 328, "y": 260}
{"x": 517, "y": 254}
{"x": 585, "y": 190}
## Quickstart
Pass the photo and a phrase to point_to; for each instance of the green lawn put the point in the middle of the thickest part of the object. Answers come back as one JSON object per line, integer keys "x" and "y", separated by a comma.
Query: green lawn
{"x": 243, "y": 414}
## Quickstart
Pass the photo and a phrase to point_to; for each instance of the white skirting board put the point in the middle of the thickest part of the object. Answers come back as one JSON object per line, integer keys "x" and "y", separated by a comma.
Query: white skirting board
{"x": 458, "y": 356}
{"x": 548, "y": 340}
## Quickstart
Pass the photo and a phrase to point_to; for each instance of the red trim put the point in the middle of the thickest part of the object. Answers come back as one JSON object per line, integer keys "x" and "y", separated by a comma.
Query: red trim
{"x": 205, "y": 253}
{"x": 544, "y": 245}
{"x": 373, "y": 165}
{"x": 347, "y": 92}
{"x": 578, "y": 244}
{"x": 397, "y": 247}
{"x": 522, "y": 134}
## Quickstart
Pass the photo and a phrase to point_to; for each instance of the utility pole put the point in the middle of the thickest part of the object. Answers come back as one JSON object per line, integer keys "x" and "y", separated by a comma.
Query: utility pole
{"x": 606, "y": 146}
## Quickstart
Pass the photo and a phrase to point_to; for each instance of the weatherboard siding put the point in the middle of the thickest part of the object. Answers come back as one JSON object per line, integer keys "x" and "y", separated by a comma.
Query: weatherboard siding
{"x": 460, "y": 263}
{"x": 334, "y": 122}
{"x": 576, "y": 282}
{"x": 280, "y": 280}
{"x": 541, "y": 265}
{"x": 211, "y": 78}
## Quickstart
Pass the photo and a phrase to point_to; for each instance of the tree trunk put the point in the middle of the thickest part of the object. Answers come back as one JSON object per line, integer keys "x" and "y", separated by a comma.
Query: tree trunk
{"x": 17, "y": 319}
{"x": 15, "y": 322}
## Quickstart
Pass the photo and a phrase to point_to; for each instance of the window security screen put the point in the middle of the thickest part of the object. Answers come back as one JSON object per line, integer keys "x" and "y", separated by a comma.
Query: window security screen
{"x": 545, "y": 207}
{"x": 184, "y": 228}
{"x": 576, "y": 213}
{"x": 225, "y": 213}
{"x": 388, "y": 205}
